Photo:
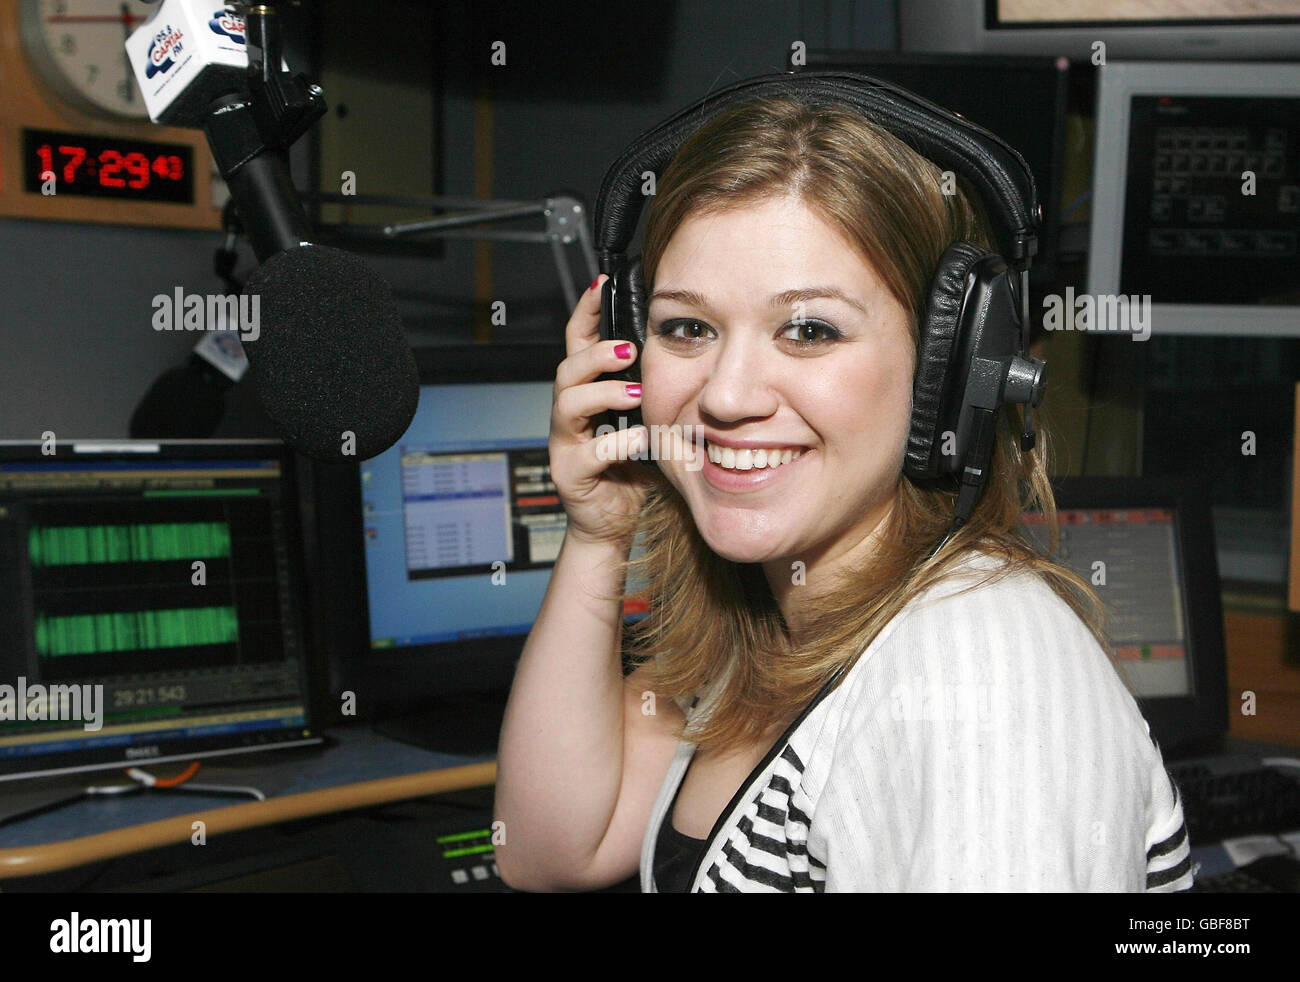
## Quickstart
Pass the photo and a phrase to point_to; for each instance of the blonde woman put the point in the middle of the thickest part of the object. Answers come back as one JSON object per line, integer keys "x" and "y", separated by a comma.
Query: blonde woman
{"x": 819, "y": 703}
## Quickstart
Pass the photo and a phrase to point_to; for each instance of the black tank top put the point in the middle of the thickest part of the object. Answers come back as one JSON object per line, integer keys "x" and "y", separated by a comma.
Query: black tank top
{"x": 676, "y": 854}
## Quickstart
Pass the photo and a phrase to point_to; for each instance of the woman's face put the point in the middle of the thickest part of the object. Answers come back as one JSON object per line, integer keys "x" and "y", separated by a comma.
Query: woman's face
{"x": 726, "y": 355}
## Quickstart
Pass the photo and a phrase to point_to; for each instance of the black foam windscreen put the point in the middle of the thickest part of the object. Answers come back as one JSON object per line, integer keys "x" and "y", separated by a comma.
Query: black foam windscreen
{"x": 331, "y": 363}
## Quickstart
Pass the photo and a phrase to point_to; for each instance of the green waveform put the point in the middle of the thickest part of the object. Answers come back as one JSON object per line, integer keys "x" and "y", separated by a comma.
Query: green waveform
{"x": 71, "y": 545}
{"x": 82, "y": 634}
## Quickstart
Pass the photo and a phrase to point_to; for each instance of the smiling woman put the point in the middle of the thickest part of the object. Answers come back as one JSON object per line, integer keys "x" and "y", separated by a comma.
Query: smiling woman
{"x": 780, "y": 195}
{"x": 839, "y": 686}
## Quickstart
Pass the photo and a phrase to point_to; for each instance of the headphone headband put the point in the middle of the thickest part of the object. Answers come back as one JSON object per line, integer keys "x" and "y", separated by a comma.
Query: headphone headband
{"x": 998, "y": 172}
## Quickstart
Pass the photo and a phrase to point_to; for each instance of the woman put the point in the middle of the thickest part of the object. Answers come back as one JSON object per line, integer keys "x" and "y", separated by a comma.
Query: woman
{"x": 818, "y": 706}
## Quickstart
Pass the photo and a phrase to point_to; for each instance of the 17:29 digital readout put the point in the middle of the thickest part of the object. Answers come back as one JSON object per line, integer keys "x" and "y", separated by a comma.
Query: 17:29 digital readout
{"x": 93, "y": 166}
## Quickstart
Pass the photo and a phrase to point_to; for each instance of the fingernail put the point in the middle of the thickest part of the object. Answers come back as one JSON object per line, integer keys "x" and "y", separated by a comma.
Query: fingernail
{"x": 593, "y": 283}
{"x": 632, "y": 389}
{"x": 623, "y": 350}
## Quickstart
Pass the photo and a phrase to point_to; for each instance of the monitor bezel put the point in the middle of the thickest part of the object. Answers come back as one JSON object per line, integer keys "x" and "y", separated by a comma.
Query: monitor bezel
{"x": 189, "y": 749}
{"x": 1181, "y": 725}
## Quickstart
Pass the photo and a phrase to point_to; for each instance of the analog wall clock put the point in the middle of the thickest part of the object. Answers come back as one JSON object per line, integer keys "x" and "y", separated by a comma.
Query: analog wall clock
{"x": 75, "y": 46}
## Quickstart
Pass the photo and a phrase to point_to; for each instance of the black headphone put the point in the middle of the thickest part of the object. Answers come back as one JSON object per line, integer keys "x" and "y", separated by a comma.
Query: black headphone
{"x": 974, "y": 331}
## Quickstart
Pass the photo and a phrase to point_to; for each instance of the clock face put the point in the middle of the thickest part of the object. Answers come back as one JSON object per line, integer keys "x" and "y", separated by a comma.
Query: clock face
{"x": 78, "y": 48}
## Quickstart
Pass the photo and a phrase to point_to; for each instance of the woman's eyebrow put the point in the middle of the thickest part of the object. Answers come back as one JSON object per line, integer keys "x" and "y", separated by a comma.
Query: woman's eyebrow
{"x": 786, "y": 299}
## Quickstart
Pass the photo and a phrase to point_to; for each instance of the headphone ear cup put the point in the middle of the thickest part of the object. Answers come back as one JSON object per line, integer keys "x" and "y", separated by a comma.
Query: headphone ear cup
{"x": 636, "y": 301}
{"x": 938, "y": 329}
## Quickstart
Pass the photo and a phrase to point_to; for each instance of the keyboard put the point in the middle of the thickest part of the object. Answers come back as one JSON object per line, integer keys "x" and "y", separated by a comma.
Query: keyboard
{"x": 1224, "y": 798}
{"x": 1268, "y": 874}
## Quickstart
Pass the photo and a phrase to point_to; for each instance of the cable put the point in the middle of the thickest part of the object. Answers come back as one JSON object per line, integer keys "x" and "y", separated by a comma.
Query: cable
{"x": 175, "y": 784}
{"x": 1280, "y": 761}
{"x": 144, "y": 777}
{"x": 956, "y": 524}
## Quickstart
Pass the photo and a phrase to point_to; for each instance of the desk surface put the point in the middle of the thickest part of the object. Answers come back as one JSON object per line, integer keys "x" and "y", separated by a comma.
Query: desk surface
{"x": 359, "y": 769}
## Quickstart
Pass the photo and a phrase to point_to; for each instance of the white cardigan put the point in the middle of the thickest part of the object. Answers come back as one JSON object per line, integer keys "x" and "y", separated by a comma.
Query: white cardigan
{"x": 983, "y": 742}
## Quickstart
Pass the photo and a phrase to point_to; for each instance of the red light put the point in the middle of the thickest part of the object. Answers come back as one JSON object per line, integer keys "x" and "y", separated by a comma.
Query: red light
{"x": 110, "y": 164}
{"x": 89, "y": 165}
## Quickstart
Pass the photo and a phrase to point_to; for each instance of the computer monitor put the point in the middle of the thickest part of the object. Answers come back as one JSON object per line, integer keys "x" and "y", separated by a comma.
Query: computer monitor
{"x": 1147, "y": 547}
{"x": 1174, "y": 29}
{"x": 446, "y": 542}
{"x": 1196, "y": 201}
{"x": 1021, "y": 99}
{"x": 150, "y": 603}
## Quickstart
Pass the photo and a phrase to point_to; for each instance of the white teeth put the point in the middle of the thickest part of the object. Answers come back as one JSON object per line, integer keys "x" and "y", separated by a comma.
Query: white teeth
{"x": 744, "y": 460}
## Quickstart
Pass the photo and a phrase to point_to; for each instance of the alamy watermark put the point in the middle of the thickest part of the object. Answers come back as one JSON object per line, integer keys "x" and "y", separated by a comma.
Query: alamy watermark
{"x": 42, "y": 703}
{"x": 1108, "y": 312}
{"x": 102, "y": 935}
{"x": 181, "y": 311}
{"x": 662, "y": 443}
{"x": 919, "y": 700}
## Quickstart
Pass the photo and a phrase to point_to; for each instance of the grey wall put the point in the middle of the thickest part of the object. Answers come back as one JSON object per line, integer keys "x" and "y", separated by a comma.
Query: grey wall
{"x": 75, "y": 300}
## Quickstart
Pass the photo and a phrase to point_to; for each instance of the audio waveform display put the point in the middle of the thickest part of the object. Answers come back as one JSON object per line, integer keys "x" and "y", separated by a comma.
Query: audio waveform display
{"x": 79, "y": 634}
{"x": 68, "y": 545}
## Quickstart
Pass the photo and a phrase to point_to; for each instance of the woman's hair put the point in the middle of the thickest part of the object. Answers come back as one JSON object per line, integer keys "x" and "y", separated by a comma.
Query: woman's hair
{"x": 714, "y": 622}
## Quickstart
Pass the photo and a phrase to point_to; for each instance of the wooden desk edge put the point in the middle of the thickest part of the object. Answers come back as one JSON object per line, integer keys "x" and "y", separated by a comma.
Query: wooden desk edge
{"x": 69, "y": 853}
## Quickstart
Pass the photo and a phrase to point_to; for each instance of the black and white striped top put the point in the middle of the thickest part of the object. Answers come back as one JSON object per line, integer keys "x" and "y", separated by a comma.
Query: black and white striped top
{"x": 983, "y": 742}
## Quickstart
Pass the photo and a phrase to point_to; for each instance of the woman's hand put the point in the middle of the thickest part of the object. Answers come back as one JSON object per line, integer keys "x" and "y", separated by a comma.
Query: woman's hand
{"x": 601, "y": 490}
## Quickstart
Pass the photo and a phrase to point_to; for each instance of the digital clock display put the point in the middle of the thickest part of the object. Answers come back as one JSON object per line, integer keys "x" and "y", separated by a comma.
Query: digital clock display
{"x": 102, "y": 167}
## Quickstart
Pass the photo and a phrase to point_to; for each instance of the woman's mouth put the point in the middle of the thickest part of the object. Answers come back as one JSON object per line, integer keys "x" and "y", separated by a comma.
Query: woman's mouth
{"x": 730, "y": 458}
{"x": 732, "y": 469}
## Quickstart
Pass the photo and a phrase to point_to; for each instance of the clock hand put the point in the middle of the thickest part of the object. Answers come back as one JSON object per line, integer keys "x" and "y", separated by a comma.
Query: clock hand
{"x": 130, "y": 72}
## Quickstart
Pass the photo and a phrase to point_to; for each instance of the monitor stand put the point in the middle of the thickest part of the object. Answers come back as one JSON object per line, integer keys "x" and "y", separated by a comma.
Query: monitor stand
{"x": 464, "y": 725}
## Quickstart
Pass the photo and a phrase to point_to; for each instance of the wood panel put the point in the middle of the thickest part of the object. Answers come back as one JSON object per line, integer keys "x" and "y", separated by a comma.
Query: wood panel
{"x": 1293, "y": 600}
{"x": 1262, "y": 658}
{"x": 25, "y": 101}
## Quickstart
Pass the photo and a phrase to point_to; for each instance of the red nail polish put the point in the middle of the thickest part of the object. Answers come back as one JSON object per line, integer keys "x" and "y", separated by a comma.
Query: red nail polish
{"x": 623, "y": 350}
{"x": 633, "y": 389}
{"x": 593, "y": 283}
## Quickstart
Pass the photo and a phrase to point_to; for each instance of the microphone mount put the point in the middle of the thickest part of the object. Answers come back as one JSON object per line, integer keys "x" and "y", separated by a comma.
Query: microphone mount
{"x": 250, "y": 134}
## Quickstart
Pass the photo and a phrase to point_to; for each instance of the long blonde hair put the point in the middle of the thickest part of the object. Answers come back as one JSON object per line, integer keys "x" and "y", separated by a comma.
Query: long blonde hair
{"x": 713, "y": 622}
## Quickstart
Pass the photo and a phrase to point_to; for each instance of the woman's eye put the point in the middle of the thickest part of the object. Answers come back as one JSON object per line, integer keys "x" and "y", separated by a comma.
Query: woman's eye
{"x": 810, "y": 332}
{"x": 806, "y": 333}
{"x": 683, "y": 330}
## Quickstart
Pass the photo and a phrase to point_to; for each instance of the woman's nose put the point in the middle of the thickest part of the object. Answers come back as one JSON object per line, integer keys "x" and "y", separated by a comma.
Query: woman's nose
{"x": 739, "y": 383}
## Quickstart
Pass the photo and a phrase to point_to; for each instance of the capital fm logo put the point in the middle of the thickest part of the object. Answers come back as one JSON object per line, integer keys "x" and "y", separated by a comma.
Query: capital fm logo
{"x": 231, "y": 25}
{"x": 163, "y": 50}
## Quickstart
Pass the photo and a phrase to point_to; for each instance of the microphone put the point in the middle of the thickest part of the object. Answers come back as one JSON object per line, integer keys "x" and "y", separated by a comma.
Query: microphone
{"x": 332, "y": 367}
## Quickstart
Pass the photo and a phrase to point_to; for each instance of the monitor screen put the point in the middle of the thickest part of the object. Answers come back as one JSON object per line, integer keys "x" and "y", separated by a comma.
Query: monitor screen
{"x": 1146, "y": 546}
{"x": 1197, "y": 230}
{"x": 1020, "y": 13}
{"x": 1196, "y": 201}
{"x": 1130, "y": 555}
{"x": 461, "y": 520}
{"x": 151, "y": 603}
